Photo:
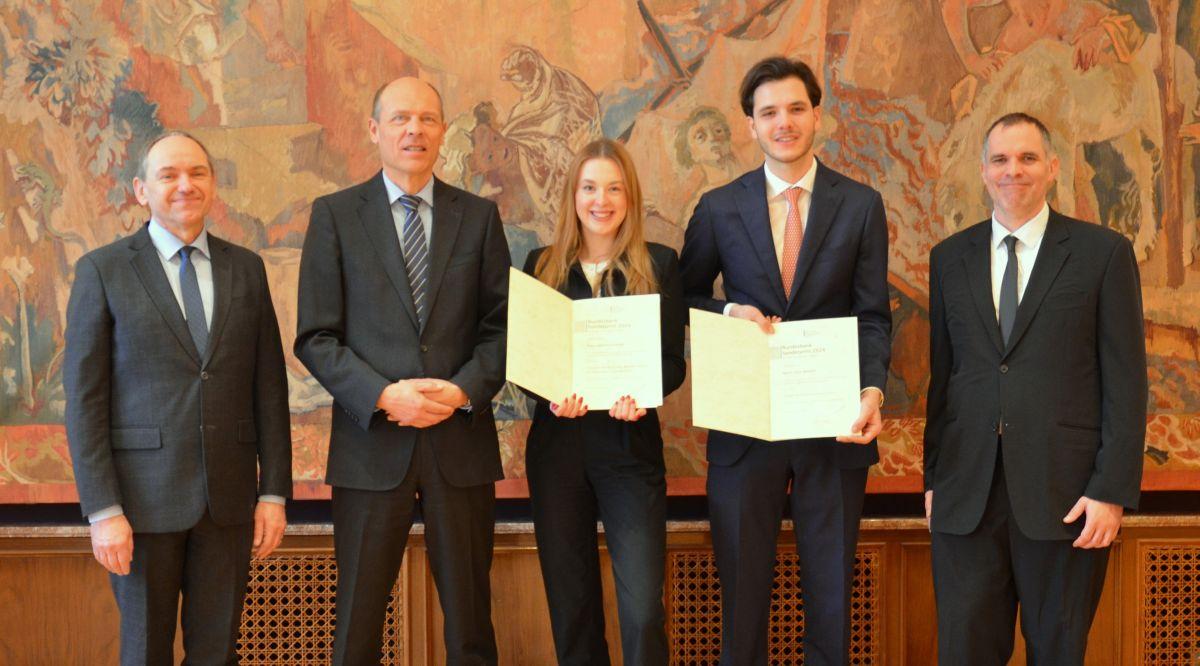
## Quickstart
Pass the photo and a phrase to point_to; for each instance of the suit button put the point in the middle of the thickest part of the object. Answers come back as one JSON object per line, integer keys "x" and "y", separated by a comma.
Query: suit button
{"x": 204, "y": 376}
{"x": 424, "y": 348}
{"x": 1003, "y": 368}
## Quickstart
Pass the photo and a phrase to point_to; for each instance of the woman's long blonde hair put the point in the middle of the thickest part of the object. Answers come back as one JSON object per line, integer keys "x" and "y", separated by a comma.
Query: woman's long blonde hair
{"x": 629, "y": 256}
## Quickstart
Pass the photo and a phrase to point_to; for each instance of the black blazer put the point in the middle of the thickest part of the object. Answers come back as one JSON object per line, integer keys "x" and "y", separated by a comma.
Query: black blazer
{"x": 1069, "y": 389}
{"x": 642, "y": 438}
{"x": 842, "y": 271}
{"x": 357, "y": 330}
{"x": 151, "y": 425}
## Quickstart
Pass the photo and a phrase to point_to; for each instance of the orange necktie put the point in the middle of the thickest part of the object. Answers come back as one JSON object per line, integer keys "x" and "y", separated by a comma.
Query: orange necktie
{"x": 793, "y": 236}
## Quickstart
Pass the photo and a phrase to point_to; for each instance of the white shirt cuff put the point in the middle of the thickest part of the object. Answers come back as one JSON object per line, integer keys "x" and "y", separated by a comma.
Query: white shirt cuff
{"x": 106, "y": 513}
{"x": 273, "y": 499}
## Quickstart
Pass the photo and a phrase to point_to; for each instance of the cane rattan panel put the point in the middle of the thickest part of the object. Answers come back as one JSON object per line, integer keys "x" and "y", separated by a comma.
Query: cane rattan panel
{"x": 1170, "y": 605}
{"x": 288, "y": 616}
{"x": 694, "y": 609}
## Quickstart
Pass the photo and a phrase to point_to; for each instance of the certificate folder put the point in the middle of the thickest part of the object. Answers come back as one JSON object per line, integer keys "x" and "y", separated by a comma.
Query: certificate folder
{"x": 799, "y": 382}
{"x": 597, "y": 348}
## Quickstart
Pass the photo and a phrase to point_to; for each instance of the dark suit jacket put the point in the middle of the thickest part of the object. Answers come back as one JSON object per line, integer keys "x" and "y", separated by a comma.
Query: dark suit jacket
{"x": 1069, "y": 389}
{"x": 151, "y": 425}
{"x": 642, "y": 438}
{"x": 842, "y": 271}
{"x": 357, "y": 330}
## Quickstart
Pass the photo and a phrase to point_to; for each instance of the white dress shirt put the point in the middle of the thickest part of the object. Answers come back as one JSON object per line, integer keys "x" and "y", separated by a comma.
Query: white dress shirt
{"x": 1029, "y": 239}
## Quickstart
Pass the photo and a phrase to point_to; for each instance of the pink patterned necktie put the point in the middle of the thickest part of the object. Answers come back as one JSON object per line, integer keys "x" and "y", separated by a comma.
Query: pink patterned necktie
{"x": 793, "y": 236}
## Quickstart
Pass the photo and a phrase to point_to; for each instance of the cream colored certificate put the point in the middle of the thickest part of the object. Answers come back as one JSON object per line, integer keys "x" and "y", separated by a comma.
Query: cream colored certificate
{"x": 597, "y": 348}
{"x": 800, "y": 382}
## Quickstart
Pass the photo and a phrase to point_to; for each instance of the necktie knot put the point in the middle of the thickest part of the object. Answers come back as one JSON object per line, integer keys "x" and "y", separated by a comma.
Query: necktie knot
{"x": 1010, "y": 241}
{"x": 793, "y": 194}
{"x": 409, "y": 202}
{"x": 185, "y": 252}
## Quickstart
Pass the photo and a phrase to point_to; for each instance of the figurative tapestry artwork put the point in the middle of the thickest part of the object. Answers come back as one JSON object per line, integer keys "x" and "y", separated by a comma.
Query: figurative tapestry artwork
{"x": 280, "y": 93}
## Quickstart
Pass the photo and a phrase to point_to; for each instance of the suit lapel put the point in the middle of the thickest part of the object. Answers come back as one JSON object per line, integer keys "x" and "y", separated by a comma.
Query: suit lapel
{"x": 376, "y": 216}
{"x": 1051, "y": 256}
{"x": 752, "y": 208}
{"x": 148, "y": 267}
{"x": 222, "y": 273}
{"x": 977, "y": 263}
{"x": 447, "y": 219}
{"x": 823, "y": 206}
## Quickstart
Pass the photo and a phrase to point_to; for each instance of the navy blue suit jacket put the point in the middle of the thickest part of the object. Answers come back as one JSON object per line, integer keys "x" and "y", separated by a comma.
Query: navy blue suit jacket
{"x": 841, "y": 272}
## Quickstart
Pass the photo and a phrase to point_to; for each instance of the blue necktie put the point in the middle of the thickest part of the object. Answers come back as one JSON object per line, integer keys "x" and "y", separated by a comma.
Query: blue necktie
{"x": 1008, "y": 290}
{"x": 416, "y": 255}
{"x": 193, "y": 305}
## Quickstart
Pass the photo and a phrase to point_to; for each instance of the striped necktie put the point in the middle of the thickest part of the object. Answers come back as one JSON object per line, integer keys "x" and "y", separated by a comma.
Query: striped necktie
{"x": 416, "y": 255}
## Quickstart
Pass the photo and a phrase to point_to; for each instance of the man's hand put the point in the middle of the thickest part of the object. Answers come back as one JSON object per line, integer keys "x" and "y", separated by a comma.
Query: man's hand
{"x": 755, "y": 315}
{"x": 571, "y": 407}
{"x": 269, "y": 520}
{"x": 406, "y": 403}
{"x": 1101, "y": 524}
{"x": 626, "y": 409}
{"x": 447, "y": 393}
{"x": 112, "y": 544}
{"x": 869, "y": 422}
{"x": 929, "y": 510}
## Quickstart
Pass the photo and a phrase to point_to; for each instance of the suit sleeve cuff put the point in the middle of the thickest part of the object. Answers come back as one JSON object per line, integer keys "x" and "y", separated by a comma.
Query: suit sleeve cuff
{"x": 106, "y": 513}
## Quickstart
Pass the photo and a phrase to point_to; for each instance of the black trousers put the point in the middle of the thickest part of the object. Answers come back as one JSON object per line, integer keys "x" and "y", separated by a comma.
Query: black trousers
{"x": 981, "y": 578}
{"x": 209, "y": 564}
{"x": 746, "y": 502}
{"x": 370, "y": 531}
{"x": 572, "y": 482}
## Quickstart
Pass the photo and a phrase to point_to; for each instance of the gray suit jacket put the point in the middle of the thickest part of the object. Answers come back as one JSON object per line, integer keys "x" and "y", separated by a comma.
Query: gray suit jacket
{"x": 151, "y": 425}
{"x": 357, "y": 330}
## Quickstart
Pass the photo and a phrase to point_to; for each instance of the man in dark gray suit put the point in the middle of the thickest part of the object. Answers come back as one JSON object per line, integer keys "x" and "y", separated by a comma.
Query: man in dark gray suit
{"x": 403, "y": 286}
{"x": 177, "y": 414}
{"x": 1036, "y": 412}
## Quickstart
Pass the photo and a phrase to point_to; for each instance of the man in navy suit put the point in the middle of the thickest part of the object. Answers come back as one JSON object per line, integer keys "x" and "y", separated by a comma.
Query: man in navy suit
{"x": 792, "y": 240}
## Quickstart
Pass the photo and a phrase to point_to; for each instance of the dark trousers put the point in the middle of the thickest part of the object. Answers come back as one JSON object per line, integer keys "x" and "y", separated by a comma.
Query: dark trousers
{"x": 571, "y": 484}
{"x": 209, "y": 564}
{"x": 370, "y": 531}
{"x": 980, "y": 578}
{"x": 746, "y": 502}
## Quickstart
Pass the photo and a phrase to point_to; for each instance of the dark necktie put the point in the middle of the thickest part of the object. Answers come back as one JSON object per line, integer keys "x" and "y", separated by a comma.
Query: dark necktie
{"x": 1008, "y": 290}
{"x": 193, "y": 305}
{"x": 416, "y": 254}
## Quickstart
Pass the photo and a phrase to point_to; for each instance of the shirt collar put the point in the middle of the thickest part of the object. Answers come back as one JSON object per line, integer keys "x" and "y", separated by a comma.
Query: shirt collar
{"x": 394, "y": 191}
{"x": 168, "y": 244}
{"x": 1030, "y": 233}
{"x": 777, "y": 185}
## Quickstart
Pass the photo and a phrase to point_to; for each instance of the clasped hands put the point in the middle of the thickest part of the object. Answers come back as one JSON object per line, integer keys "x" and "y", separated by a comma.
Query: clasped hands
{"x": 869, "y": 422}
{"x": 624, "y": 409}
{"x": 420, "y": 403}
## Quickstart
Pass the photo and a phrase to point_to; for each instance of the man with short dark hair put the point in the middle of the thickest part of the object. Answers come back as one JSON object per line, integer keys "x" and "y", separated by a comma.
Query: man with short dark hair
{"x": 793, "y": 240}
{"x": 177, "y": 414}
{"x": 403, "y": 287}
{"x": 1036, "y": 412}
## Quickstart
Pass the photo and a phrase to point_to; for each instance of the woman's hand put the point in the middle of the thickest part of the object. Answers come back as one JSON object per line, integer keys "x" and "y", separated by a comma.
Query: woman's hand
{"x": 571, "y": 407}
{"x": 626, "y": 409}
